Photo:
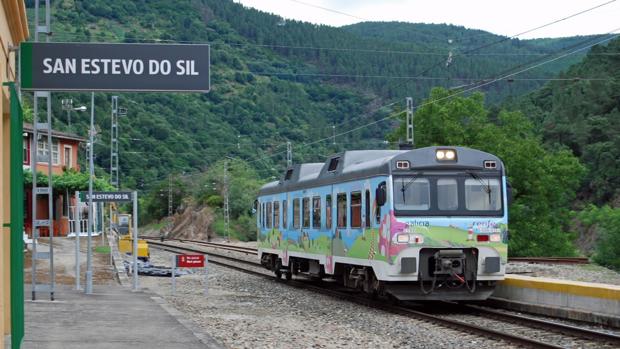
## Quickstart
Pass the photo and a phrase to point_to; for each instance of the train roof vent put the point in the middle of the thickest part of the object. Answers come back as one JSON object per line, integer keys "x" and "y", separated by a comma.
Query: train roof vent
{"x": 289, "y": 174}
{"x": 333, "y": 164}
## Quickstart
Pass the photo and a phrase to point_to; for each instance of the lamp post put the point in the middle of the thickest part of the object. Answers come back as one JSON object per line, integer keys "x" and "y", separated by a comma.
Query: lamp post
{"x": 67, "y": 104}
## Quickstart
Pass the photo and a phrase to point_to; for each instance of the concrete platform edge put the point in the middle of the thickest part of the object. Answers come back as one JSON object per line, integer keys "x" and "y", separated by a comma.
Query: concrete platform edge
{"x": 564, "y": 313}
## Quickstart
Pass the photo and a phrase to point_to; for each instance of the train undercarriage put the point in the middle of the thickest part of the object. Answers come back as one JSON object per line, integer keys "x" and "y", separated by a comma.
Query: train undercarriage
{"x": 445, "y": 274}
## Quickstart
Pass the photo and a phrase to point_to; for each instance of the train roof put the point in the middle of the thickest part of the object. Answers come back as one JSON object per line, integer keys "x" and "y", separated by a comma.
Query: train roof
{"x": 360, "y": 164}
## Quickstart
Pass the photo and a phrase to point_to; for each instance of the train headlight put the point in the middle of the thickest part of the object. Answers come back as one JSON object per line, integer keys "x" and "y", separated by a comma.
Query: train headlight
{"x": 445, "y": 154}
{"x": 495, "y": 238}
{"x": 402, "y": 238}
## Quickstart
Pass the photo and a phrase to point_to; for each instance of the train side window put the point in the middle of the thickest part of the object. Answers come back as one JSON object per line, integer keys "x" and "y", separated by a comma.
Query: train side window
{"x": 276, "y": 214}
{"x": 316, "y": 212}
{"x": 269, "y": 216}
{"x": 367, "y": 208}
{"x": 356, "y": 209}
{"x": 284, "y": 214}
{"x": 296, "y": 213}
{"x": 328, "y": 211}
{"x": 341, "y": 203}
{"x": 306, "y": 212}
{"x": 262, "y": 215}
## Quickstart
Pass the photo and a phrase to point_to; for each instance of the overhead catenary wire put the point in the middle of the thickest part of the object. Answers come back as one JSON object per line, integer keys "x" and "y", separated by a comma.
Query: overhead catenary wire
{"x": 460, "y": 92}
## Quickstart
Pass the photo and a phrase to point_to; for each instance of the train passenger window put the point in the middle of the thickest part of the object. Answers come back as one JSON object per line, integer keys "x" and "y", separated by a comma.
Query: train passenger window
{"x": 296, "y": 213}
{"x": 356, "y": 209}
{"x": 447, "y": 194}
{"x": 341, "y": 203}
{"x": 284, "y": 214}
{"x": 316, "y": 212}
{"x": 306, "y": 212}
{"x": 269, "y": 216}
{"x": 328, "y": 211}
{"x": 482, "y": 194}
{"x": 276, "y": 214}
{"x": 262, "y": 215}
{"x": 367, "y": 210}
{"x": 412, "y": 193}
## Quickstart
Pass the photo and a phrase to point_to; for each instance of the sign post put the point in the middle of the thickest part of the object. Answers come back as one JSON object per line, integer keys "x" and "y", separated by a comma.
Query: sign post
{"x": 135, "y": 241}
{"x": 174, "y": 271}
{"x": 189, "y": 261}
{"x": 114, "y": 67}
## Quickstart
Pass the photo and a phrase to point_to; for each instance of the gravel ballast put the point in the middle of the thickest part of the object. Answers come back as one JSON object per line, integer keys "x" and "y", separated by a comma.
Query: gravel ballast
{"x": 245, "y": 311}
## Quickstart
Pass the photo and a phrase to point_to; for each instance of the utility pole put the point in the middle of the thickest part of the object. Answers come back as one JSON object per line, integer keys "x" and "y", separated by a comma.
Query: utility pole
{"x": 334, "y": 135}
{"x": 67, "y": 104}
{"x": 91, "y": 171}
{"x": 170, "y": 196}
{"x": 114, "y": 144}
{"x": 410, "y": 122}
{"x": 289, "y": 155}
{"x": 35, "y": 158}
{"x": 226, "y": 208}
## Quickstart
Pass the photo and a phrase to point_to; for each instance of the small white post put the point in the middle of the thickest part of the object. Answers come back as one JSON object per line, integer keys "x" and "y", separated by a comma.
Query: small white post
{"x": 206, "y": 275}
{"x": 173, "y": 264}
{"x": 135, "y": 241}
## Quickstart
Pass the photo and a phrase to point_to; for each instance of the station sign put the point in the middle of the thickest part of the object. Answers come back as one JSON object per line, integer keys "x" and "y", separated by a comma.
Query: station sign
{"x": 190, "y": 261}
{"x": 107, "y": 196}
{"x": 114, "y": 67}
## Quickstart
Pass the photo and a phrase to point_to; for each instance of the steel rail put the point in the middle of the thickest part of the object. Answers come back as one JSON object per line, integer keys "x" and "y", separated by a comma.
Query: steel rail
{"x": 550, "y": 260}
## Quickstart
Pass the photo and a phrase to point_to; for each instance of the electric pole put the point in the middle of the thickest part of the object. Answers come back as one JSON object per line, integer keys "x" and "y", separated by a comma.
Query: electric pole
{"x": 226, "y": 208}
{"x": 410, "y": 122}
{"x": 289, "y": 155}
{"x": 114, "y": 144}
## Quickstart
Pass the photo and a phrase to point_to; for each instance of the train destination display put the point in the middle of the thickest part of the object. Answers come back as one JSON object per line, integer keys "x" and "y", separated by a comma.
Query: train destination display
{"x": 115, "y": 67}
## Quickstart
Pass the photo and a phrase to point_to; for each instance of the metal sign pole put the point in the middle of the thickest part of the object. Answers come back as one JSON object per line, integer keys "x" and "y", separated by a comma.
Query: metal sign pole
{"x": 173, "y": 263}
{"x": 78, "y": 231}
{"x": 89, "y": 257}
{"x": 206, "y": 275}
{"x": 135, "y": 241}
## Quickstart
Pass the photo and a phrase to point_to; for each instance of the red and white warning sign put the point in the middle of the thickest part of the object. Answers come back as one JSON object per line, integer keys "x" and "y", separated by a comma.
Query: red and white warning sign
{"x": 190, "y": 261}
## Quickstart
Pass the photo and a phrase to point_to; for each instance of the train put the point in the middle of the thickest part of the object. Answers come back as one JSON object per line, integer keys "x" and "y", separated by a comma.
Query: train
{"x": 415, "y": 224}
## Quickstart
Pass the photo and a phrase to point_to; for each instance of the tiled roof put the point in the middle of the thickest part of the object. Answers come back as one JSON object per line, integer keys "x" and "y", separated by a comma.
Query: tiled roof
{"x": 56, "y": 134}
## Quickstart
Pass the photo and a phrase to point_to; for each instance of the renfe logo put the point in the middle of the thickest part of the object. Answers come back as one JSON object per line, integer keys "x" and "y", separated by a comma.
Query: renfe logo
{"x": 190, "y": 261}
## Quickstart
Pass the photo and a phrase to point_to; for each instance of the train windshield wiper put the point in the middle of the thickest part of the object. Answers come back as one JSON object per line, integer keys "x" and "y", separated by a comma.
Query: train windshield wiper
{"x": 487, "y": 186}
{"x": 403, "y": 186}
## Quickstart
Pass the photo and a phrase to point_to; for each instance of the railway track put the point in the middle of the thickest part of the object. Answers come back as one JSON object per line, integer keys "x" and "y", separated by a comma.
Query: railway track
{"x": 512, "y": 328}
{"x": 252, "y": 250}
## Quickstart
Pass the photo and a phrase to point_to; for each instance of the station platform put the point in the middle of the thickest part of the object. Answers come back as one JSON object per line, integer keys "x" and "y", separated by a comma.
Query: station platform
{"x": 592, "y": 302}
{"x": 112, "y": 317}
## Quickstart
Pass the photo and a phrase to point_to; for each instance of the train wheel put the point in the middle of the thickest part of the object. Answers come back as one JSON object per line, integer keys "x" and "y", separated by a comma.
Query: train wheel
{"x": 278, "y": 269}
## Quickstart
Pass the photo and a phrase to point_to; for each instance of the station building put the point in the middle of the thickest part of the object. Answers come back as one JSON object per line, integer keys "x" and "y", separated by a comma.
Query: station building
{"x": 13, "y": 30}
{"x": 64, "y": 158}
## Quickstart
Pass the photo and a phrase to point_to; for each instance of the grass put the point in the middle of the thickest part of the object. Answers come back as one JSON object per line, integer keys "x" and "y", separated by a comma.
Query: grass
{"x": 102, "y": 249}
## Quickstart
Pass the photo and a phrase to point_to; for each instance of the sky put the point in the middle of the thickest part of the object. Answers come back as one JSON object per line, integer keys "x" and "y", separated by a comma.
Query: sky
{"x": 497, "y": 16}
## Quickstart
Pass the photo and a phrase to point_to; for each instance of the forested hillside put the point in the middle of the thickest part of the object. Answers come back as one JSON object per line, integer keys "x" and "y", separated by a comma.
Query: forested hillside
{"x": 276, "y": 80}
{"x": 584, "y": 116}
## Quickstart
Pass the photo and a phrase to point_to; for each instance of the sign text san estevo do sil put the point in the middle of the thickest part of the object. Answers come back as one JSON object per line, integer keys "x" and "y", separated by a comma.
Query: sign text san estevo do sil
{"x": 114, "y": 67}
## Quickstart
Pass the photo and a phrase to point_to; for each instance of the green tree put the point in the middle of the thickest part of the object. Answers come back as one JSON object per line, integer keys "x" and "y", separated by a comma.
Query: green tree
{"x": 606, "y": 222}
{"x": 544, "y": 182}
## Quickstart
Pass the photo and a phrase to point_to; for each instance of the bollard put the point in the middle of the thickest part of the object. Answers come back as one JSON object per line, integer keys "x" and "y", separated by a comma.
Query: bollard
{"x": 174, "y": 271}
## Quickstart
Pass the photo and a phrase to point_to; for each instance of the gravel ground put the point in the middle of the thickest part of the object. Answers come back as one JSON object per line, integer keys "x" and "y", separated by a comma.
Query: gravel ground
{"x": 244, "y": 311}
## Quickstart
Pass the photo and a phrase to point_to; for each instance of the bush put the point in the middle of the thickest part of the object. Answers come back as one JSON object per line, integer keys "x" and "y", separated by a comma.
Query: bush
{"x": 606, "y": 222}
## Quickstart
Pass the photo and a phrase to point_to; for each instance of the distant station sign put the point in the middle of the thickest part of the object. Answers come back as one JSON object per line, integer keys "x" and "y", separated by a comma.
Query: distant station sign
{"x": 190, "y": 261}
{"x": 107, "y": 196}
{"x": 114, "y": 67}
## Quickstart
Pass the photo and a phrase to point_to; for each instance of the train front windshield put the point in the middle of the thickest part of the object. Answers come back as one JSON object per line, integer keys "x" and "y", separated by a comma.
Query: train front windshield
{"x": 463, "y": 194}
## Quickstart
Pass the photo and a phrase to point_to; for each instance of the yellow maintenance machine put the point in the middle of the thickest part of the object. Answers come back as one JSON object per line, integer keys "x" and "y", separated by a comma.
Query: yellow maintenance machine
{"x": 122, "y": 224}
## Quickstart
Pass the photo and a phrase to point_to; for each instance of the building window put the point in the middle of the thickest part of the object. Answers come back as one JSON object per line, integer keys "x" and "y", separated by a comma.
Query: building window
{"x": 316, "y": 212}
{"x": 328, "y": 211}
{"x": 306, "y": 212}
{"x": 341, "y": 203}
{"x": 356, "y": 209}
{"x": 26, "y": 151}
{"x": 43, "y": 151}
{"x": 284, "y": 214}
{"x": 68, "y": 160}
{"x": 296, "y": 213}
